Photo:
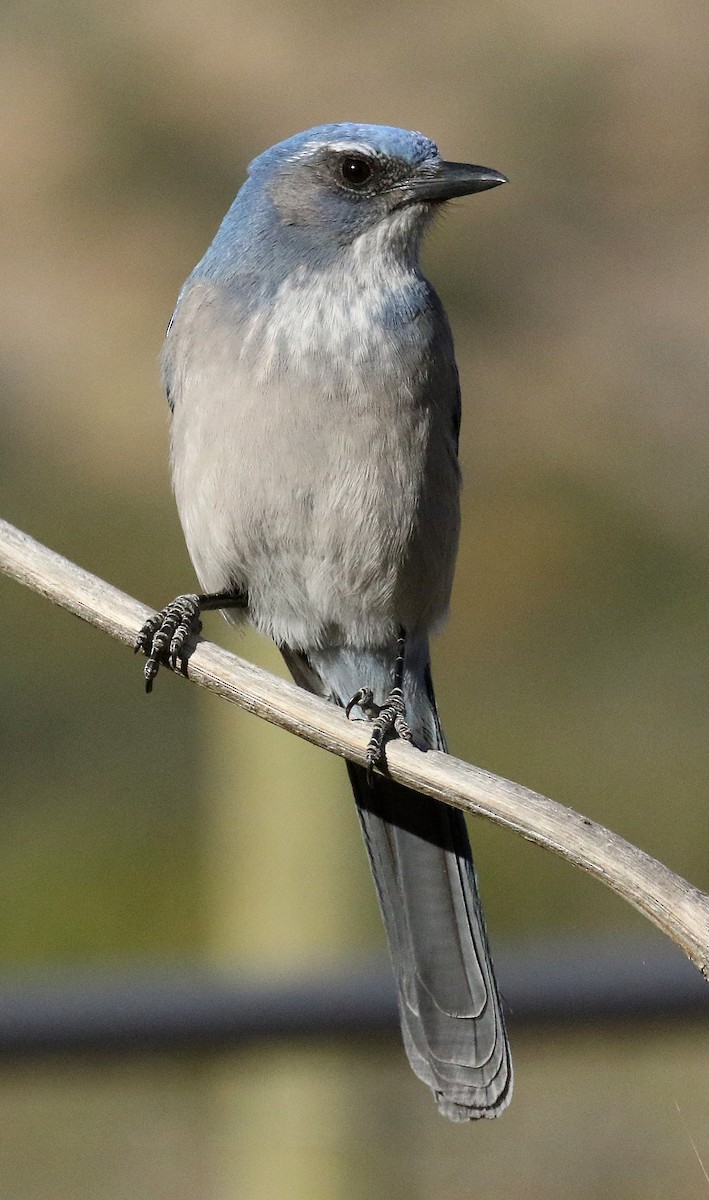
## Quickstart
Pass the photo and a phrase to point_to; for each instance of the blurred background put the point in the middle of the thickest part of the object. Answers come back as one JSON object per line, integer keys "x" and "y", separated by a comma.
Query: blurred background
{"x": 144, "y": 832}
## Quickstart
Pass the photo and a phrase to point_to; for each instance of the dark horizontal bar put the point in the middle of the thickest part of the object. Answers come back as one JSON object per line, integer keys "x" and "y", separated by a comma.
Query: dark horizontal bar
{"x": 600, "y": 979}
{"x": 173, "y": 1009}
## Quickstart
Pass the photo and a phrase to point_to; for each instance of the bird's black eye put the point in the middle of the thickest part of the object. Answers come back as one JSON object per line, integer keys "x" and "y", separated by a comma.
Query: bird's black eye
{"x": 356, "y": 171}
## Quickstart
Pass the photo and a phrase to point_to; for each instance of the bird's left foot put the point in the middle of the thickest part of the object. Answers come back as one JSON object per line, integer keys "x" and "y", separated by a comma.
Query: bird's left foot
{"x": 388, "y": 719}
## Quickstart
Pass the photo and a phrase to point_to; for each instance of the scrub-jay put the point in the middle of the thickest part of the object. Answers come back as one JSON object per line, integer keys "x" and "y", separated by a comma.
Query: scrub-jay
{"x": 315, "y": 405}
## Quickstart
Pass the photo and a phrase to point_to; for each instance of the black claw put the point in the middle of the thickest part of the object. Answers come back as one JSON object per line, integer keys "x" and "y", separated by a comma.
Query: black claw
{"x": 150, "y": 670}
{"x": 364, "y": 699}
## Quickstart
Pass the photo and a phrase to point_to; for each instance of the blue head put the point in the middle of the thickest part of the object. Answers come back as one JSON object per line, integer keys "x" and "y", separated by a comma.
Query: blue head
{"x": 311, "y": 197}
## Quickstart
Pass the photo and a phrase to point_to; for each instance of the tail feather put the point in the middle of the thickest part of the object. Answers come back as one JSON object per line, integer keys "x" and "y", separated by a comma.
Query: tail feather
{"x": 450, "y": 1010}
{"x": 451, "y": 1016}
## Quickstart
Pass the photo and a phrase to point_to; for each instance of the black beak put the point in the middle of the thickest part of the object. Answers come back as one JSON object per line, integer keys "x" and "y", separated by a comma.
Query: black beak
{"x": 451, "y": 179}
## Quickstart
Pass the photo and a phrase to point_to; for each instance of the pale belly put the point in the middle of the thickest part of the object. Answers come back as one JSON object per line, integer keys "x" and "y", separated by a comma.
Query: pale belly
{"x": 339, "y": 521}
{"x": 314, "y": 460}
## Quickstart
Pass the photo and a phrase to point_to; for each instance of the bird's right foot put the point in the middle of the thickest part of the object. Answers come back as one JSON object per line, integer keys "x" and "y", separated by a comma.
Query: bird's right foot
{"x": 165, "y": 636}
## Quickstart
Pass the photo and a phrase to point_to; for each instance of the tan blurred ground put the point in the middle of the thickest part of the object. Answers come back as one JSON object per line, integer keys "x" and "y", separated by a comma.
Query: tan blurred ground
{"x": 577, "y": 656}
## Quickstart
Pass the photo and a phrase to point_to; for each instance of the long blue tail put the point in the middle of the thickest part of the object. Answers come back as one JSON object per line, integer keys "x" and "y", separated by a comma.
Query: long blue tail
{"x": 451, "y": 1017}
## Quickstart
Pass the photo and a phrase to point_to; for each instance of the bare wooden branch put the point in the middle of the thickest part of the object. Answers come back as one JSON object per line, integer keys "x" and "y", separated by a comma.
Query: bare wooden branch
{"x": 670, "y": 902}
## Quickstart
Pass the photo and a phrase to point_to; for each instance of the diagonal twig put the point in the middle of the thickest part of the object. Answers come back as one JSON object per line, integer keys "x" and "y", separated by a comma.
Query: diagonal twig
{"x": 670, "y": 902}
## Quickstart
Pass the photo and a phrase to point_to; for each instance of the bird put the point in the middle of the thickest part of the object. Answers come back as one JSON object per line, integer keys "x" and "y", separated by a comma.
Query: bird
{"x": 310, "y": 371}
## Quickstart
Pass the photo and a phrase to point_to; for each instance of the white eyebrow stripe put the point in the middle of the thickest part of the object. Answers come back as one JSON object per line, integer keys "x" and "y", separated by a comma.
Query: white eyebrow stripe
{"x": 351, "y": 148}
{"x": 337, "y": 147}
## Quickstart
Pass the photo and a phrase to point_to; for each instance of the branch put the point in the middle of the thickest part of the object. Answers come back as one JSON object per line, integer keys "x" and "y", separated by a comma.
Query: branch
{"x": 670, "y": 902}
